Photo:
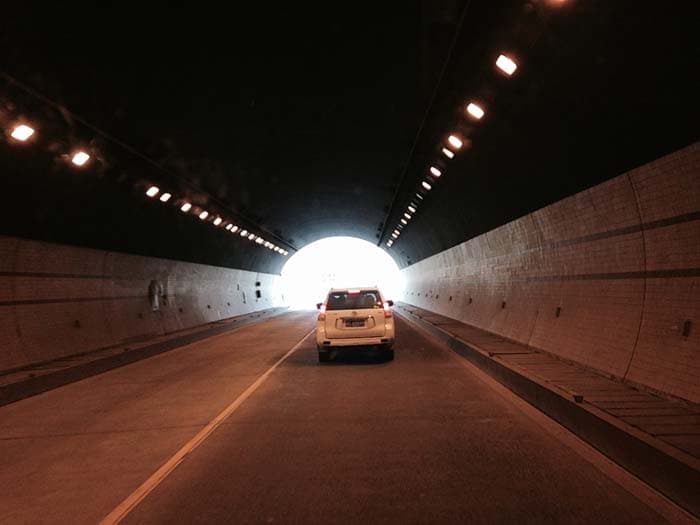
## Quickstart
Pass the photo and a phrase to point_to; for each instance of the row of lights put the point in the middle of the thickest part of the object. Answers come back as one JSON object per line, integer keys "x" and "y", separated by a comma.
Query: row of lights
{"x": 23, "y": 133}
{"x": 215, "y": 220}
{"x": 454, "y": 143}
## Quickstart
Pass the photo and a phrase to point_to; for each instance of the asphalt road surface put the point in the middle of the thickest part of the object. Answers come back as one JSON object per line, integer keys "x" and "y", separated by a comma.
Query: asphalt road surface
{"x": 248, "y": 427}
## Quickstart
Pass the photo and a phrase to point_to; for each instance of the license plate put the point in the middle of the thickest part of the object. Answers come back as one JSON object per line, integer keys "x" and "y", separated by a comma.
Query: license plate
{"x": 354, "y": 322}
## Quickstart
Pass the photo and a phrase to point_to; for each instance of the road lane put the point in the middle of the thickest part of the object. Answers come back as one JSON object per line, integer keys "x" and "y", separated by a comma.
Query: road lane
{"x": 419, "y": 440}
{"x": 72, "y": 454}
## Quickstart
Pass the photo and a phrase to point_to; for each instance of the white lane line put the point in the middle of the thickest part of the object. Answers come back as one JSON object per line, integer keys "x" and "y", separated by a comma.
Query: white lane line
{"x": 635, "y": 486}
{"x": 120, "y": 512}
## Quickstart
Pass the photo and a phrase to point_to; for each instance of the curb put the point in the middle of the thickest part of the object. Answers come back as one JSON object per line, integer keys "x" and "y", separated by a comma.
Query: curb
{"x": 670, "y": 471}
{"x": 36, "y": 385}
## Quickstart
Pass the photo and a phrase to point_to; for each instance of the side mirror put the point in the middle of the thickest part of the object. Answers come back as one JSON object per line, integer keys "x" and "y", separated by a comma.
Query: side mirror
{"x": 390, "y": 302}
{"x": 318, "y": 306}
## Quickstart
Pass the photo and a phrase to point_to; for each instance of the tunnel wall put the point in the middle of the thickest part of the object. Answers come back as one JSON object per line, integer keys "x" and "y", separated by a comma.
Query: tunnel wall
{"x": 58, "y": 300}
{"x": 609, "y": 278}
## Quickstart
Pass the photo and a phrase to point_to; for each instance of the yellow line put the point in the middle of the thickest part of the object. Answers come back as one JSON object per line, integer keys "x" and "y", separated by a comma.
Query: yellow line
{"x": 166, "y": 469}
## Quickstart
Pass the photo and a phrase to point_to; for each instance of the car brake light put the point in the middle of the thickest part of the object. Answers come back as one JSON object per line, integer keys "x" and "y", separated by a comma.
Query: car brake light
{"x": 322, "y": 313}
{"x": 387, "y": 310}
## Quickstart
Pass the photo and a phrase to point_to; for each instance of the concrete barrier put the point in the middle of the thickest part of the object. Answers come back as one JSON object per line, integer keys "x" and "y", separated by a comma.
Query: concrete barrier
{"x": 608, "y": 278}
{"x": 60, "y": 300}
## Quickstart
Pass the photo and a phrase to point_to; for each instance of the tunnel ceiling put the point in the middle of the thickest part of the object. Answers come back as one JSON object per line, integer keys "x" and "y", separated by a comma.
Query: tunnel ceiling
{"x": 298, "y": 123}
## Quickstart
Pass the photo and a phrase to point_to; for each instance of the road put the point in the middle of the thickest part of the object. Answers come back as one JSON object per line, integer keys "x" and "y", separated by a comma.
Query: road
{"x": 423, "y": 439}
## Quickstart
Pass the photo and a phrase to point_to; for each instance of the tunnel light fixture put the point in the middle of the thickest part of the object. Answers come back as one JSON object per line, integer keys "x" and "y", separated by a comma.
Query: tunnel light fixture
{"x": 419, "y": 196}
{"x": 22, "y": 132}
{"x": 228, "y": 227}
{"x": 251, "y": 236}
{"x": 435, "y": 172}
{"x": 153, "y": 191}
{"x": 397, "y": 232}
{"x": 454, "y": 141}
{"x": 218, "y": 221}
{"x": 506, "y": 64}
{"x": 407, "y": 215}
{"x": 411, "y": 209}
{"x": 259, "y": 240}
{"x": 165, "y": 197}
{"x": 426, "y": 185}
{"x": 395, "y": 235}
{"x": 80, "y": 158}
{"x": 404, "y": 221}
{"x": 204, "y": 214}
{"x": 475, "y": 111}
{"x": 448, "y": 153}
{"x": 186, "y": 207}
{"x": 244, "y": 233}
{"x": 234, "y": 228}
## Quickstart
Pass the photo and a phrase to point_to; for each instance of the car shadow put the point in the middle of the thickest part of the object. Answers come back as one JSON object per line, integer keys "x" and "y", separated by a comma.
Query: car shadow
{"x": 357, "y": 356}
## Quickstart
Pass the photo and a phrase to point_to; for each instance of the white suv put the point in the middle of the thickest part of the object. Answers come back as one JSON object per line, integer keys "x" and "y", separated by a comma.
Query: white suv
{"x": 354, "y": 317}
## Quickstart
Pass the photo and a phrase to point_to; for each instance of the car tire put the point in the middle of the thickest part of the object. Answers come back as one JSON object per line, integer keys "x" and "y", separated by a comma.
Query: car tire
{"x": 324, "y": 356}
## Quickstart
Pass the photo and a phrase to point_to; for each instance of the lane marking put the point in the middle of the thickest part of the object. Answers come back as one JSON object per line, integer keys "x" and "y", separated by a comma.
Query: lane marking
{"x": 126, "y": 506}
{"x": 638, "y": 488}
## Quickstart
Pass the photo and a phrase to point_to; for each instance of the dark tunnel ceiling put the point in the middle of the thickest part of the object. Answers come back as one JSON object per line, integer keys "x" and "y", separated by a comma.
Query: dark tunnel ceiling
{"x": 307, "y": 123}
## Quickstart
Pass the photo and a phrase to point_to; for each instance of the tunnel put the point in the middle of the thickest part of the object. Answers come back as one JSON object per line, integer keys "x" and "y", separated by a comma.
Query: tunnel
{"x": 531, "y": 168}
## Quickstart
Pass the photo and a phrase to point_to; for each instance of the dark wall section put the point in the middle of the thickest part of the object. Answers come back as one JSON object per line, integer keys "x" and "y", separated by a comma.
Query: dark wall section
{"x": 58, "y": 300}
{"x": 609, "y": 277}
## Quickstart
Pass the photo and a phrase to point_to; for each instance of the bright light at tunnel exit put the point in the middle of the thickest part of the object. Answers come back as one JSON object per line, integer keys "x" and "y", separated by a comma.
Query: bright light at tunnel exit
{"x": 338, "y": 262}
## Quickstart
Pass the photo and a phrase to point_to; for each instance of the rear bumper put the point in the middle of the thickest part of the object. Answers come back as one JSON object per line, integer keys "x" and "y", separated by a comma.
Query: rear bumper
{"x": 356, "y": 341}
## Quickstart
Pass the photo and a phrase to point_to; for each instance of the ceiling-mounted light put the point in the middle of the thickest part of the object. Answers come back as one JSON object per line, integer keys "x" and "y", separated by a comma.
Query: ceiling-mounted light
{"x": 22, "y": 132}
{"x": 165, "y": 197}
{"x": 419, "y": 196}
{"x": 228, "y": 227}
{"x": 435, "y": 172}
{"x": 251, "y": 236}
{"x": 80, "y": 158}
{"x": 448, "y": 153}
{"x": 426, "y": 186}
{"x": 234, "y": 228}
{"x": 244, "y": 233}
{"x": 217, "y": 221}
{"x": 153, "y": 191}
{"x": 186, "y": 207}
{"x": 411, "y": 209}
{"x": 397, "y": 232}
{"x": 204, "y": 215}
{"x": 475, "y": 111}
{"x": 395, "y": 235}
{"x": 404, "y": 221}
{"x": 454, "y": 141}
{"x": 506, "y": 64}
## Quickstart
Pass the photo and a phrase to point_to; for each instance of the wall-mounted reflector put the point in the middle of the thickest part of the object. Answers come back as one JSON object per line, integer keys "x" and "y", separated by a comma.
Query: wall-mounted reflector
{"x": 506, "y": 64}
{"x": 449, "y": 154}
{"x": 426, "y": 186}
{"x": 475, "y": 111}
{"x": 186, "y": 207}
{"x": 165, "y": 197}
{"x": 435, "y": 172}
{"x": 153, "y": 191}
{"x": 22, "y": 132}
{"x": 217, "y": 221}
{"x": 80, "y": 158}
{"x": 454, "y": 141}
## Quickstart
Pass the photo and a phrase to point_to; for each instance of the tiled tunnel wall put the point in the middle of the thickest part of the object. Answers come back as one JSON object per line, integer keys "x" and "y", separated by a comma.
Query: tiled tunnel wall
{"x": 609, "y": 278}
{"x": 60, "y": 300}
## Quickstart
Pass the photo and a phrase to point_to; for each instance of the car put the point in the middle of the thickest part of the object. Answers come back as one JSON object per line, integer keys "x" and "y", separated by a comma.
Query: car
{"x": 351, "y": 317}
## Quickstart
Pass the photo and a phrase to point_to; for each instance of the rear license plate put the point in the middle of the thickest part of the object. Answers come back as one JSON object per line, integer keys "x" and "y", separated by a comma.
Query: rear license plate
{"x": 354, "y": 322}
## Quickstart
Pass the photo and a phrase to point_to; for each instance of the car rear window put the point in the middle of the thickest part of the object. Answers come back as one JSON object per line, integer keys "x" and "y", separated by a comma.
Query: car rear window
{"x": 350, "y": 300}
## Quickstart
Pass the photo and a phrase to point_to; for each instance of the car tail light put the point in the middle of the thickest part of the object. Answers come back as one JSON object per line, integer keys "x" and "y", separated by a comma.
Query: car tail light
{"x": 387, "y": 310}
{"x": 322, "y": 313}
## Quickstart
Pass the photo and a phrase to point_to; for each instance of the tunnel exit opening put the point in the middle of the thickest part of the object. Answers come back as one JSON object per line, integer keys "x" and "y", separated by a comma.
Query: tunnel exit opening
{"x": 337, "y": 262}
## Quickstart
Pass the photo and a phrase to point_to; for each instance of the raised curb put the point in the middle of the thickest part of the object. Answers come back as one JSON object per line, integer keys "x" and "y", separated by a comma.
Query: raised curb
{"x": 672, "y": 472}
{"x": 41, "y": 383}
